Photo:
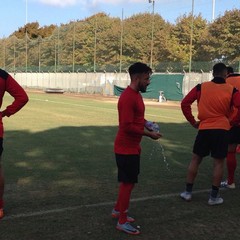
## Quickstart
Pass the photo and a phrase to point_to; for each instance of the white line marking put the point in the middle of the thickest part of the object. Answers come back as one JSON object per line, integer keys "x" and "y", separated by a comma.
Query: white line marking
{"x": 106, "y": 109}
{"x": 59, "y": 210}
{"x": 72, "y": 104}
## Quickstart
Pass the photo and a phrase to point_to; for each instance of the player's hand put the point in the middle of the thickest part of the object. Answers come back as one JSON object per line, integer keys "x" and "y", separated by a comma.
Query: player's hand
{"x": 234, "y": 122}
{"x": 155, "y": 135}
{"x": 196, "y": 124}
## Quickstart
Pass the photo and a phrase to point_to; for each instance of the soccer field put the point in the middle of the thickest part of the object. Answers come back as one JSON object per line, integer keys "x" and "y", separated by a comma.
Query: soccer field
{"x": 61, "y": 175}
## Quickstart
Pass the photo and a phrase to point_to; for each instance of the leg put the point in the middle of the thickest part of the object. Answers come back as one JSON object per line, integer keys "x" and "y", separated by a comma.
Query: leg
{"x": 217, "y": 176}
{"x": 238, "y": 148}
{"x": 128, "y": 170}
{"x": 123, "y": 204}
{"x": 125, "y": 191}
{"x": 120, "y": 194}
{"x": 191, "y": 175}
{"x": 1, "y": 175}
{"x": 231, "y": 163}
{"x": 193, "y": 168}
{"x": 217, "y": 171}
{"x": 1, "y": 190}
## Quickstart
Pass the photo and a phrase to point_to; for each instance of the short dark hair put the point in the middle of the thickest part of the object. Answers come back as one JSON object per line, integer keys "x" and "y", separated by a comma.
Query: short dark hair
{"x": 218, "y": 68}
{"x": 139, "y": 67}
{"x": 230, "y": 70}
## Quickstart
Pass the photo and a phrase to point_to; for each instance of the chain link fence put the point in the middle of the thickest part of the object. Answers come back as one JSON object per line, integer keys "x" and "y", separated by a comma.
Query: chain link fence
{"x": 56, "y": 54}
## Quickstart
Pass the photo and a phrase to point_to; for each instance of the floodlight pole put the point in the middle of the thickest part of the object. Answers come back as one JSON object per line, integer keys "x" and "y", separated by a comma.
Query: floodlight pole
{"x": 39, "y": 55}
{"x": 121, "y": 45}
{"x": 213, "y": 10}
{"x": 151, "y": 54}
{"x": 26, "y": 57}
{"x": 14, "y": 55}
{"x": 191, "y": 39}
{"x": 73, "y": 51}
{"x": 95, "y": 46}
{"x": 26, "y": 20}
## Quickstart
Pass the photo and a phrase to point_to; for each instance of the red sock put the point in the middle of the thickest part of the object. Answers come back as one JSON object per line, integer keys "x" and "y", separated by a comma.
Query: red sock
{"x": 231, "y": 166}
{"x": 122, "y": 204}
{"x": 1, "y": 203}
{"x": 117, "y": 205}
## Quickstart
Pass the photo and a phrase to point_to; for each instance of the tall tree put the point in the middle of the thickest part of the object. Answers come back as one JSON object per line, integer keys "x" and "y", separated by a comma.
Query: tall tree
{"x": 180, "y": 42}
{"x": 225, "y": 36}
{"x": 94, "y": 43}
{"x": 34, "y": 31}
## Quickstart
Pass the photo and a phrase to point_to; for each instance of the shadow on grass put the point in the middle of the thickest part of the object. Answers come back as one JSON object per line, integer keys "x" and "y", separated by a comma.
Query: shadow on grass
{"x": 72, "y": 166}
{"x": 77, "y": 164}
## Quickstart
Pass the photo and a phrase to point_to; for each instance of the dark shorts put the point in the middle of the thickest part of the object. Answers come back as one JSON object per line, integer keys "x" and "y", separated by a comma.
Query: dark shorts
{"x": 128, "y": 168}
{"x": 234, "y": 135}
{"x": 212, "y": 141}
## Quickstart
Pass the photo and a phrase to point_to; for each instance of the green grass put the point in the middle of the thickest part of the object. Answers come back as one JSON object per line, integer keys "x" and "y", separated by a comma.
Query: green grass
{"x": 59, "y": 162}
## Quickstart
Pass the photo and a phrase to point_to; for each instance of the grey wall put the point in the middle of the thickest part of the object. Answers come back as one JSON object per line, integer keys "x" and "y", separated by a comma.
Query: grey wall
{"x": 101, "y": 83}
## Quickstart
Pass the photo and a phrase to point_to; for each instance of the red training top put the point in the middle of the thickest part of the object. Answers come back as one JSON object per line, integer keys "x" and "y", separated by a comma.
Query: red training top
{"x": 234, "y": 80}
{"x": 131, "y": 122}
{"x": 8, "y": 84}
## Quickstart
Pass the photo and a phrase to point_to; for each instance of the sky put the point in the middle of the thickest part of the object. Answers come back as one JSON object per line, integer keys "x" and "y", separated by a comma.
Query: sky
{"x": 16, "y": 13}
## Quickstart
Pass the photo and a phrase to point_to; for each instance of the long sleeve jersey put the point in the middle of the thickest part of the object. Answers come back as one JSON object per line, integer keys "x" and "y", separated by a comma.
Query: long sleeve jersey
{"x": 234, "y": 80}
{"x": 8, "y": 84}
{"x": 215, "y": 100}
{"x": 131, "y": 122}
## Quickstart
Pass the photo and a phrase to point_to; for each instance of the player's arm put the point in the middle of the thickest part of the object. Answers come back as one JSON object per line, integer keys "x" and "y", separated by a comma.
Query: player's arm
{"x": 186, "y": 103}
{"x": 127, "y": 120}
{"x": 236, "y": 104}
{"x": 126, "y": 117}
{"x": 19, "y": 95}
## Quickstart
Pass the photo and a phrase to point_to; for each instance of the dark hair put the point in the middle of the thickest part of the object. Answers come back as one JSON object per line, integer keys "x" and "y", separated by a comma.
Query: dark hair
{"x": 139, "y": 67}
{"x": 230, "y": 70}
{"x": 219, "y": 68}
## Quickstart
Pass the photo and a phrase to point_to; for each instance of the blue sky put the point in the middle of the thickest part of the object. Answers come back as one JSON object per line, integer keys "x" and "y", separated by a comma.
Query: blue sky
{"x": 15, "y": 13}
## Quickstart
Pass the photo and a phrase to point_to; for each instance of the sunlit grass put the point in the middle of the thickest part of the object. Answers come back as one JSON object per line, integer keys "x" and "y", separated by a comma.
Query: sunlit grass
{"x": 59, "y": 154}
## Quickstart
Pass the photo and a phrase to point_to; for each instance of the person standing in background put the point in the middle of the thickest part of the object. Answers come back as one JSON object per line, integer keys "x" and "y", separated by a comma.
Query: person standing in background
{"x": 214, "y": 106}
{"x": 8, "y": 84}
{"x": 234, "y": 135}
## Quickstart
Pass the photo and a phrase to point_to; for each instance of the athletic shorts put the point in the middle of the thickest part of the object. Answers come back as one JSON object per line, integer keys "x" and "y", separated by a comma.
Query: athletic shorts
{"x": 211, "y": 141}
{"x": 234, "y": 135}
{"x": 128, "y": 168}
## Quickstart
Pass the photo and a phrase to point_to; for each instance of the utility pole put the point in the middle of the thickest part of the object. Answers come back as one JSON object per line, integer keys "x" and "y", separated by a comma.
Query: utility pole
{"x": 74, "y": 43}
{"x": 121, "y": 44}
{"x": 152, "y": 33}
{"x": 213, "y": 10}
{"x": 26, "y": 36}
{"x": 95, "y": 46}
{"x": 191, "y": 39}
